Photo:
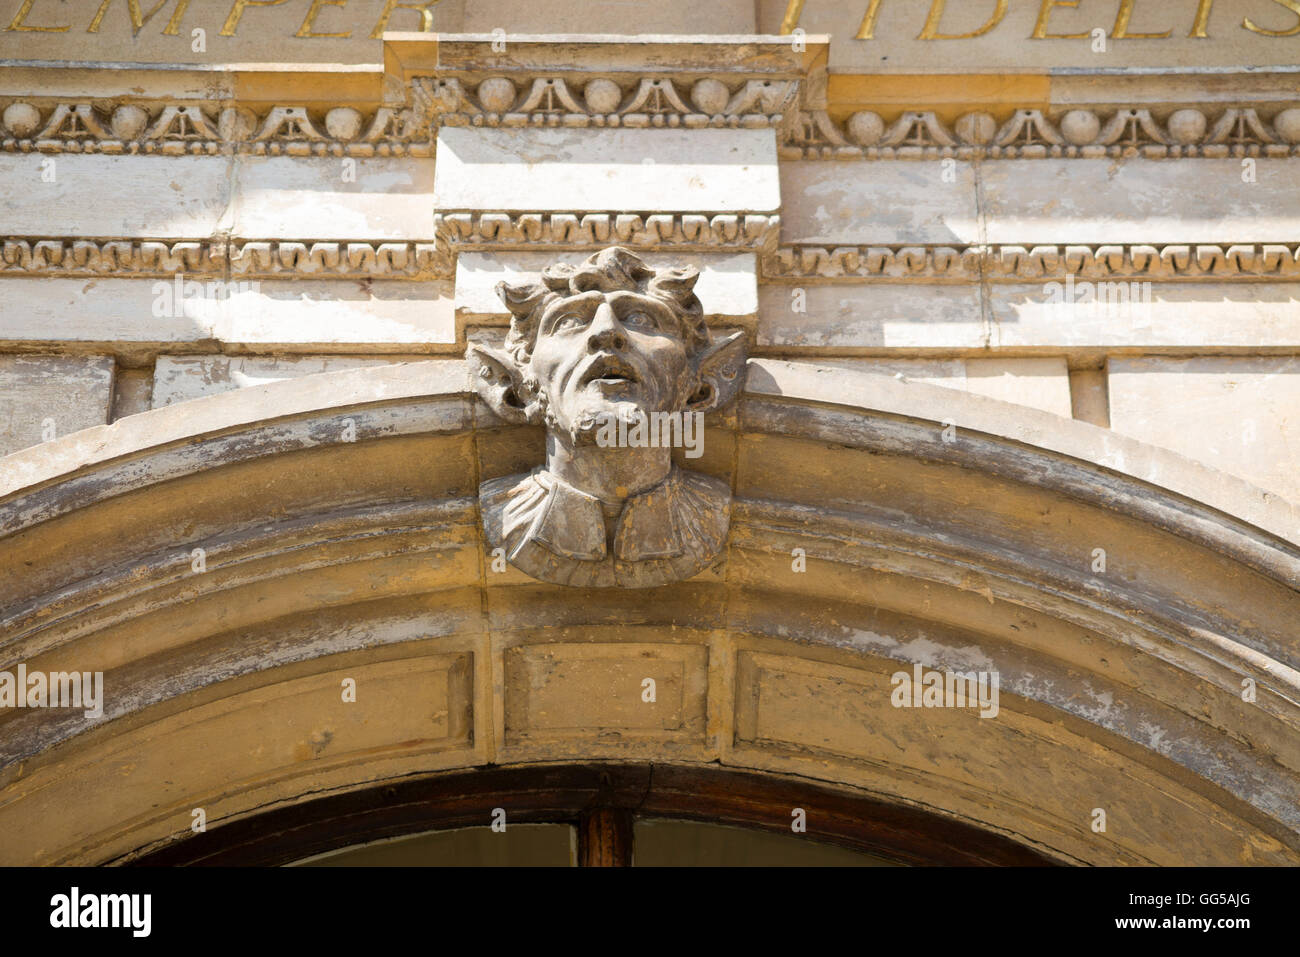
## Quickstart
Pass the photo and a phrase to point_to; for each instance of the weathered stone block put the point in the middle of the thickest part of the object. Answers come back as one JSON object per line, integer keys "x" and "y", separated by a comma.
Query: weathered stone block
{"x": 590, "y": 169}
{"x": 1139, "y": 201}
{"x": 1041, "y": 383}
{"x": 280, "y": 312}
{"x": 1189, "y": 315}
{"x": 181, "y": 378}
{"x": 864, "y": 316}
{"x": 180, "y": 197}
{"x": 334, "y": 198}
{"x": 1237, "y": 414}
{"x": 559, "y": 690}
{"x": 45, "y": 397}
{"x": 859, "y": 203}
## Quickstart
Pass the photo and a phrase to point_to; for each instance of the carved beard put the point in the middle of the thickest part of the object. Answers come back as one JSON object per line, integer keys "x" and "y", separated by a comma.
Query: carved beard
{"x": 587, "y": 423}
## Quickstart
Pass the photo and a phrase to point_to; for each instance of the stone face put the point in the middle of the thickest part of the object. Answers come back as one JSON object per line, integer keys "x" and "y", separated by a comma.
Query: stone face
{"x": 608, "y": 354}
{"x": 44, "y": 397}
{"x": 647, "y": 170}
{"x": 1241, "y": 415}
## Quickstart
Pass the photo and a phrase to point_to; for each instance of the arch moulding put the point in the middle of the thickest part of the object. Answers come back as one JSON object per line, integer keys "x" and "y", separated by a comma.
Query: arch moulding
{"x": 228, "y": 563}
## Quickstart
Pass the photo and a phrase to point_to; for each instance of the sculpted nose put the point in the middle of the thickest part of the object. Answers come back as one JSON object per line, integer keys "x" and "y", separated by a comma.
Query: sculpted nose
{"x": 605, "y": 331}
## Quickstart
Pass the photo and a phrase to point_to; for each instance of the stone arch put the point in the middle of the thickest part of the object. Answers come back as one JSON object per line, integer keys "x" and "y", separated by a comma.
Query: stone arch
{"x": 228, "y": 562}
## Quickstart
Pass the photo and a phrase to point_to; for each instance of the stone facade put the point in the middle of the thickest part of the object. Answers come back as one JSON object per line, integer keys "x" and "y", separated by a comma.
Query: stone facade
{"x": 1015, "y": 391}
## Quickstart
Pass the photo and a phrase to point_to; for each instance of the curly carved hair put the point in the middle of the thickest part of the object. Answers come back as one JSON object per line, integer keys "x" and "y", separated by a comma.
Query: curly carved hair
{"x": 610, "y": 269}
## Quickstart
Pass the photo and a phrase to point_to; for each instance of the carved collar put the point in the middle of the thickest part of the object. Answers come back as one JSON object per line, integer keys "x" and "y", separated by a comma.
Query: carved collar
{"x": 556, "y": 533}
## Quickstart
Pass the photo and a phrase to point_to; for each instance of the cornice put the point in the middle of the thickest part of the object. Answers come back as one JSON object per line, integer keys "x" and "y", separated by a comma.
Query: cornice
{"x": 579, "y": 230}
{"x": 635, "y": 102}
{"x": 176, "y": 129}
{"x": 1011, "y": 263}
{"x": 1031, "y": 134}
{"x": 429, "y": 80}
{"x": 125, "y": 258}
{"x": 239, "y": 259}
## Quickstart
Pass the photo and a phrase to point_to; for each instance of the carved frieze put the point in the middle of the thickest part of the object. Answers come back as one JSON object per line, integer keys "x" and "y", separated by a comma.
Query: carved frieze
{"x": 804, "y": 131}
{"x": 348, "y": 259}
{"x": 1029, "y": 134}
{"x": 972, "y": 263}
{"x": 479, "y": 230}
{"x": 194, "y": 129}
{"x": 639, "y": 102}
{"x": 250, "y": 259}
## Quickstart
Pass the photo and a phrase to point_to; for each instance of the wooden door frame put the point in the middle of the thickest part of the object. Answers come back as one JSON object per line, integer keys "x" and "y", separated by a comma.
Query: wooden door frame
{"x": 571, "y": 793}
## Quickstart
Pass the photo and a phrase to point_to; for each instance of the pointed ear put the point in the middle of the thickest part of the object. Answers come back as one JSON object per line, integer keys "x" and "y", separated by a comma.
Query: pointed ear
{"x": 722, "y": 373}
{"x": 497, "y": 380}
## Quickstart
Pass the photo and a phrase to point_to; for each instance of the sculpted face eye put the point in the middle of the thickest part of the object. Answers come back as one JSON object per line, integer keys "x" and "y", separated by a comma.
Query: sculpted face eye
{"x": 570, "y": 320}
{"x": 640, "y": 319}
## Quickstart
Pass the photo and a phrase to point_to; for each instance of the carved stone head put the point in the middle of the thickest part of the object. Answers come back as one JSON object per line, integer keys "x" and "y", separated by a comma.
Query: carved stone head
{"x": 610, "y": 337}
{"x": 609, "y": 341}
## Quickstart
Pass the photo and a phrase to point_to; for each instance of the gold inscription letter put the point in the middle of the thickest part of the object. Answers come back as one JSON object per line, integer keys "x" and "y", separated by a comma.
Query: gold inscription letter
{"x": 237, "y": 11}
{"x": 931, "y": 29}
{"x": 1045, "y": 11}
{"x": 306, "y": 31}
{"x": 793, "y": 10}
{"x": 869, "y": 21}
{"x": 1202, "y": 19}
{"x": 1292, "y": 5}
{"x": 26, "y": 8}
{"x": 426, "y": 16}
{"x": 138, "y": 20}
{"x": 1121, "y": 26}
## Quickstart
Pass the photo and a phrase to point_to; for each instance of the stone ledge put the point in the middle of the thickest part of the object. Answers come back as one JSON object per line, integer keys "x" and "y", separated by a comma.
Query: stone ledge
{"x": 659, "y": 171}
{"x": 247, "y": 258}
{"x": 1007, "y": 262}
{"x": 577, "y": 230}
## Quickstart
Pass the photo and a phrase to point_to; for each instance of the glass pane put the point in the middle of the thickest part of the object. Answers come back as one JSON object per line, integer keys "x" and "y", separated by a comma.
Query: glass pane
{"x": 693, "y": 844}
{"x": 519, "y": 845}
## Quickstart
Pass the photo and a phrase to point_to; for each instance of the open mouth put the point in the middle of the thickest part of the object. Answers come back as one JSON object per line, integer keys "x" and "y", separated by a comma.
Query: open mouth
{"x": 609, "y": 369}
